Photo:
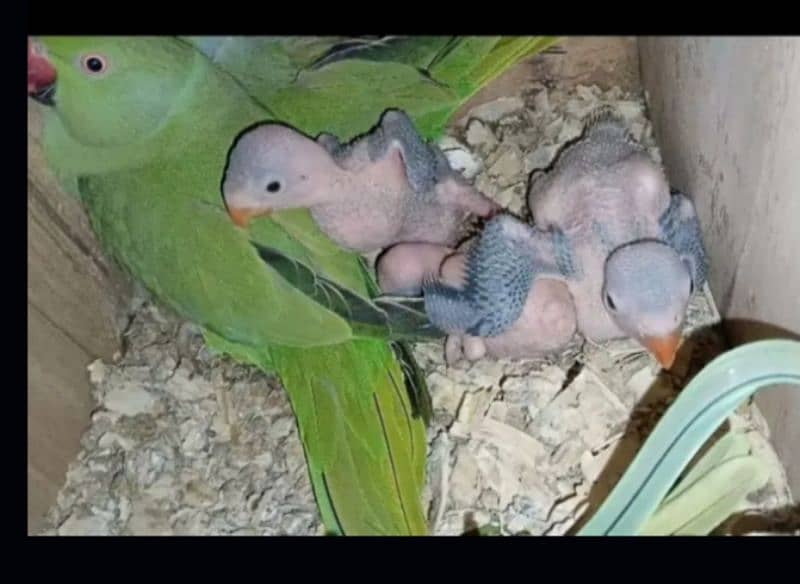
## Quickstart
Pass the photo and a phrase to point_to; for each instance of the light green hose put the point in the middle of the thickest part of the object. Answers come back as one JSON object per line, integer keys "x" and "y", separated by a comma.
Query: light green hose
{"x": 690, "y": 421}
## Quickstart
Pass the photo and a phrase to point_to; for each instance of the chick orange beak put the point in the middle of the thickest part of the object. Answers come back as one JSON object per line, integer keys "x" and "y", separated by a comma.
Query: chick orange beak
{"x": 664, "y": 348}
{"x": 242, "y": 216}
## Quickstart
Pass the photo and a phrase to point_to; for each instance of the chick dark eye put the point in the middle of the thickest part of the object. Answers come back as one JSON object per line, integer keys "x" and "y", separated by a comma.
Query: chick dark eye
{"x": 691, "y": 286}
{"x": 94, "y": 64}
{"x": 274, "y": 187}
{"x": 610, "y": 302}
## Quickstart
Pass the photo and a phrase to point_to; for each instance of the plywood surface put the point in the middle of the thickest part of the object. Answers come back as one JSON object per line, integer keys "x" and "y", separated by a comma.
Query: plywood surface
{"x": 726, "y": 112}
{"x": 75, "y": 311}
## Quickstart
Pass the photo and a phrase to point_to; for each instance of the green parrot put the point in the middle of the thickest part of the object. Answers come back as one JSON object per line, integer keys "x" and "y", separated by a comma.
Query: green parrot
{"x": 140, "y": 129}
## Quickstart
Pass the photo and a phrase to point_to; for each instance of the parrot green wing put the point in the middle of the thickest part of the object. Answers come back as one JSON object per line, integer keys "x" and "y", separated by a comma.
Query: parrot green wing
{"x": 319, "y": 252}
{"x": 265, "y": 64}
{"x": 232, "y": 292}
{"x": 474, "y": 62}
{"x": 385, "y": 317}
{"x": 342, "y": 85}
{"x": 394, "y": 318}
{"x": 346, "y": 98}
{"x": 700, "y": 408}
{"x": 418, "y": 51}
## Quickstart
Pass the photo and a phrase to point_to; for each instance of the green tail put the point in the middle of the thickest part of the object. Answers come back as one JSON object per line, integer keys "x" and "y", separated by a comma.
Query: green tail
{"x": 365, "y": 450}
{"x": 367, "y": 469}
{"x": 468, "y": 64}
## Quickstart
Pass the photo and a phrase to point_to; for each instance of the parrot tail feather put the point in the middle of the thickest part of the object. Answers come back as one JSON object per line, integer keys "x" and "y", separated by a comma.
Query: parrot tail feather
{"x": 469, "y": 63}
{"x": 392, "y": 461}
{"x": 365, "y": 452}
{"x": 326, "y": 500}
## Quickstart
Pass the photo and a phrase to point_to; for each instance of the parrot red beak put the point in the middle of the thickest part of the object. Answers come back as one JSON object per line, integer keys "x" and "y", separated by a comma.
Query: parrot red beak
{"x": 664, "y": 348}
{"x": 242, "y": 216}
{"x": 41, "y": 75}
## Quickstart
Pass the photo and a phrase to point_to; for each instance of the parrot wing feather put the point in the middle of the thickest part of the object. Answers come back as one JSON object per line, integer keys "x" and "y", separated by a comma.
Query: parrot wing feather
{"x": 366, "y": 466}
{"x": 341, "y": 85}
{"x": 395, "y": 318}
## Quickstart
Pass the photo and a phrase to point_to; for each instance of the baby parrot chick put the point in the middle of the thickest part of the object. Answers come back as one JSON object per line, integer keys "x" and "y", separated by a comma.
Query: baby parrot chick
{"x": 489, "y": 297}
{"x": 638, "y": 246}
{"x": 385, "y": 187}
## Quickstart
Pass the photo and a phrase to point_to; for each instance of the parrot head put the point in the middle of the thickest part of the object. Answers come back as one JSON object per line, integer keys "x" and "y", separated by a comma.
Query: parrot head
{"x": 109, "y": 91}
{"x": 273, "y": 167}
{"x": 646, "y": 291}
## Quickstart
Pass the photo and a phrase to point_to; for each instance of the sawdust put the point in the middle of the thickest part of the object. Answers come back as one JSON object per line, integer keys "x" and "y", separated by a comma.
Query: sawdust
{"x": 185, "y": 442}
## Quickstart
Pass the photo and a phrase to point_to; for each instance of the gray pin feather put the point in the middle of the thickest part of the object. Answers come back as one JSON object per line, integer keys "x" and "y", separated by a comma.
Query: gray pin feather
{"x": 423, "y": 164}
{"x": 681, "y": 230}
{"x": 501, "y": 268}
{"x": 606, "y": 140}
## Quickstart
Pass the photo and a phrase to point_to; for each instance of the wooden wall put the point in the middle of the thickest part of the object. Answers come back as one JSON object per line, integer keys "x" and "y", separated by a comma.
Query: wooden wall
{"x": 76, "y": 306}
{"x": 726, "y": 112}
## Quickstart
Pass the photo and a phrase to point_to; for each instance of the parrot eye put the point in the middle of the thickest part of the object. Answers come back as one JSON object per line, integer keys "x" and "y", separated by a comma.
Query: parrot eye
{"x": 273, "y": 187}
{"x": 609, "y": 302}
{"x": 94, "y": 64}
